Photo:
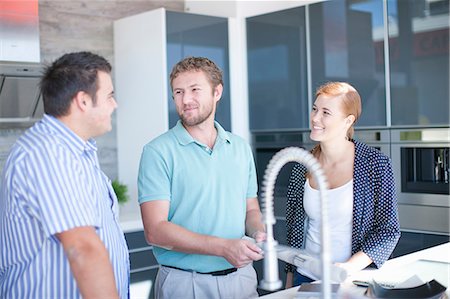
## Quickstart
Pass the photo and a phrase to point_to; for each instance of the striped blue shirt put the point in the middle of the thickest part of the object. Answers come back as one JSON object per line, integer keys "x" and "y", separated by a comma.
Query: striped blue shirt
{"x": 52, "y": 183}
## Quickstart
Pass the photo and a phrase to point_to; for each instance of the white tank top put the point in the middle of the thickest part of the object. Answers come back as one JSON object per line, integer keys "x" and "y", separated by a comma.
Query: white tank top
{"x": 340, "y": 217}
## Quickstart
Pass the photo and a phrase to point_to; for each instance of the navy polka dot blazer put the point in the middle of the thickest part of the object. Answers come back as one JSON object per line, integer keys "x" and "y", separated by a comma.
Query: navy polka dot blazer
{"x": 376, "y": 228}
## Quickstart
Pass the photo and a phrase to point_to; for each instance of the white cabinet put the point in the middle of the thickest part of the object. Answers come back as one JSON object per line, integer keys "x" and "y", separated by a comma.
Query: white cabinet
{"x": 141, "y": 92}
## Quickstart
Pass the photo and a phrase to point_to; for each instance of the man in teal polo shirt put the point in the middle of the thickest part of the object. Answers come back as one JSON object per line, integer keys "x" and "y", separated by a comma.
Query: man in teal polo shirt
{"x": 198, "y": 195}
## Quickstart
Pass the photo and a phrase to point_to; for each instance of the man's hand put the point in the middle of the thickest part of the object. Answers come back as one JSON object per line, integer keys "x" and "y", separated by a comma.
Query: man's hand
{"x": 259, "y": 236}
{"x": 240, "y": 252}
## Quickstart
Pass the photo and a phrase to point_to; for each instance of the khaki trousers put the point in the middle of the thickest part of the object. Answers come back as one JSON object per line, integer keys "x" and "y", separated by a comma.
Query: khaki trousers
{"x": 178, "y": 284}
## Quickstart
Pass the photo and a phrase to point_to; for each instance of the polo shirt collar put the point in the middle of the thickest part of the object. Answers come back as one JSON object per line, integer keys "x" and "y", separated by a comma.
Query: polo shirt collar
{"x": 185, "y": 138}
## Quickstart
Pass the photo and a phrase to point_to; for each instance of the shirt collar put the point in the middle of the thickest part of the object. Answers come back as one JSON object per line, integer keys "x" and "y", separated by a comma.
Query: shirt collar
{"x": 185, "y": 138}
{"x": 75, "y": 142}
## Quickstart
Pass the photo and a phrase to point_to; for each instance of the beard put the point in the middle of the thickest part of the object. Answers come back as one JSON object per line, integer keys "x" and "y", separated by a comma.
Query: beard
{"x": 195, "y": 120}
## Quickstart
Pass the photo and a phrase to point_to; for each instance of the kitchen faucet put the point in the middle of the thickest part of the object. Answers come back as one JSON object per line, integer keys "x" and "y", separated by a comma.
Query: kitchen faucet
{"x": 271, "y": 279}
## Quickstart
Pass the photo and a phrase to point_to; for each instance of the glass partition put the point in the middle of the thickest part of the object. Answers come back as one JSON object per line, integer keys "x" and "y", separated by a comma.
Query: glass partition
{"x": 347, "y": 45}
{"x": 198, "y": 35}
{"x": 277, "y": 77}
{"x": 419, "y": 61}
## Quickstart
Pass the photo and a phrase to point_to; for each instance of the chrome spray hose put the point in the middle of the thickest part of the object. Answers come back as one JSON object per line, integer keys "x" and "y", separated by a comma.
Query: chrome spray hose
{"x": 271, "y": 279}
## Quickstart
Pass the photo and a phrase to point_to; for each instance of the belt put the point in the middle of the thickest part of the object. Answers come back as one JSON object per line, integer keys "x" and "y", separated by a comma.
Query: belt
{"x": 214, "y": 273}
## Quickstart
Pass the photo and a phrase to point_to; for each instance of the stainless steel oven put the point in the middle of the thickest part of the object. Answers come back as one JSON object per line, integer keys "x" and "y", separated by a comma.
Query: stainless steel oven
{"x": 421, "y": 165}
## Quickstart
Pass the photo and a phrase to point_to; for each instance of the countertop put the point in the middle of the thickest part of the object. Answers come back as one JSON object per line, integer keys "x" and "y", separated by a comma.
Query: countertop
{"x": 427, "y": 264}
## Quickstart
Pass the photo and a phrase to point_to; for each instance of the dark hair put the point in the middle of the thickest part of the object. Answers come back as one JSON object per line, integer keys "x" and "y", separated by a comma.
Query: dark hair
{"x": 68, "y": 75}
{"x": 212, "y": 72}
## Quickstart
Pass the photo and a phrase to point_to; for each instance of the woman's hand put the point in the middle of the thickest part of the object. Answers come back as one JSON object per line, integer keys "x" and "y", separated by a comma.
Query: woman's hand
{"x": 356, "y": 263}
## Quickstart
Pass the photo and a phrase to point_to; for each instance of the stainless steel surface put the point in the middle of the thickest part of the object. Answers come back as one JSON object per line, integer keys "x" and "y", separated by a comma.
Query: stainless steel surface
{"x": 379, "y": 138}
{"x": 271, "y": 279}
{"x": 422, "y": 211}
{"x": 424, "y": 219}
{"x": 282, "y": 139}
{"x": 418, "y": 138}
{"x": 19, "y": 31}
{"x": 19, "y": 93}
{"x": 301, "y": 260}
{"x": 19, "y": 64}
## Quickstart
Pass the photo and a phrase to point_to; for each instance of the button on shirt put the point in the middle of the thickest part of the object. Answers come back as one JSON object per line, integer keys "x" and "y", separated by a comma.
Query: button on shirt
{"x": 52, "y": 183}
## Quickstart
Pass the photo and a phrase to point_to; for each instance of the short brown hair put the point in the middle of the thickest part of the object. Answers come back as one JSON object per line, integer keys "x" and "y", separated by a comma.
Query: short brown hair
{"x": 212, "y": 72}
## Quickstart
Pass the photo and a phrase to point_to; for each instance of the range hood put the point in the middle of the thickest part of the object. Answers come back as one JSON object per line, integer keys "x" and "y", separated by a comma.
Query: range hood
{"x": 20, "y": 70}
{"x": 20, "y": 98}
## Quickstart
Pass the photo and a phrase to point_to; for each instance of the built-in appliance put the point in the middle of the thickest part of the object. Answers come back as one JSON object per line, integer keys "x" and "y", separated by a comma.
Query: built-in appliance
{"x": 266, "y": 145}
{"x": 19, "y": 92}
{"x": 377, "y": 138}
{"x": 20, "y": 67}
{"x": 420, "y": 160}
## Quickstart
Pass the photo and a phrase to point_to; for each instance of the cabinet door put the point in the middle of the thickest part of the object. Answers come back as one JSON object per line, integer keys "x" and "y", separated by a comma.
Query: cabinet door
{"x": 419, "y": 59}
{"x": 197, "y": 35}
{"x": 347, "y": 45}
{"x": 143, "y": 266}
{"x": 277, "y": 78}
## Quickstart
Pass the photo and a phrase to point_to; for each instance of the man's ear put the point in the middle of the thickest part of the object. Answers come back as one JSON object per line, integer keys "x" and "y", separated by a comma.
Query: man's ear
{"x": 218, "y": 92}
{"x": 80, "y": 100}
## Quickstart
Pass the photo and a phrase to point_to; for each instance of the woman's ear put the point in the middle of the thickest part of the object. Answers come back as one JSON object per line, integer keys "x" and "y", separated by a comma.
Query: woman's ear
{"x": 351, "y": 119}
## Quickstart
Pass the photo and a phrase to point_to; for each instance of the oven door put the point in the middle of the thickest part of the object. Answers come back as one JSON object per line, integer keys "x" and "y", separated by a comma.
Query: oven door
{"x": 421, "y": 174}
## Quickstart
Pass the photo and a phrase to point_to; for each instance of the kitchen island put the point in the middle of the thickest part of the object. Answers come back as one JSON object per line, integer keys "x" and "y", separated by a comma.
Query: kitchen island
{"x": 428, "y": 264}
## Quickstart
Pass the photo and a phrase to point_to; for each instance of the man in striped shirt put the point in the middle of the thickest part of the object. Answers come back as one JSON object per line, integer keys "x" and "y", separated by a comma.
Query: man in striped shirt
{"x": 59, "y": 230}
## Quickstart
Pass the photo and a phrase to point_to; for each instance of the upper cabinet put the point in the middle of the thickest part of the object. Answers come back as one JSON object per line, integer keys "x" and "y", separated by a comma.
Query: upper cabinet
{"x": 199, "y": 35}
{"x": 292, "y": 52}
{"x": 419, "y": 62}
{"x": 277, "y": 81}
{"x": 347, "y": 45}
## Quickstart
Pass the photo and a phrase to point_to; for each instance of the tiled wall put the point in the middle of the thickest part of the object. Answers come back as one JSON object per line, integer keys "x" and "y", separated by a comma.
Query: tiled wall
{"x": 69, "y": 26}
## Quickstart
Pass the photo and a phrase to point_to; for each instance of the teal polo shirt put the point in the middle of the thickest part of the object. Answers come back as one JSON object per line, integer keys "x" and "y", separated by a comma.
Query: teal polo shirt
{"x": 207, "y": 189}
